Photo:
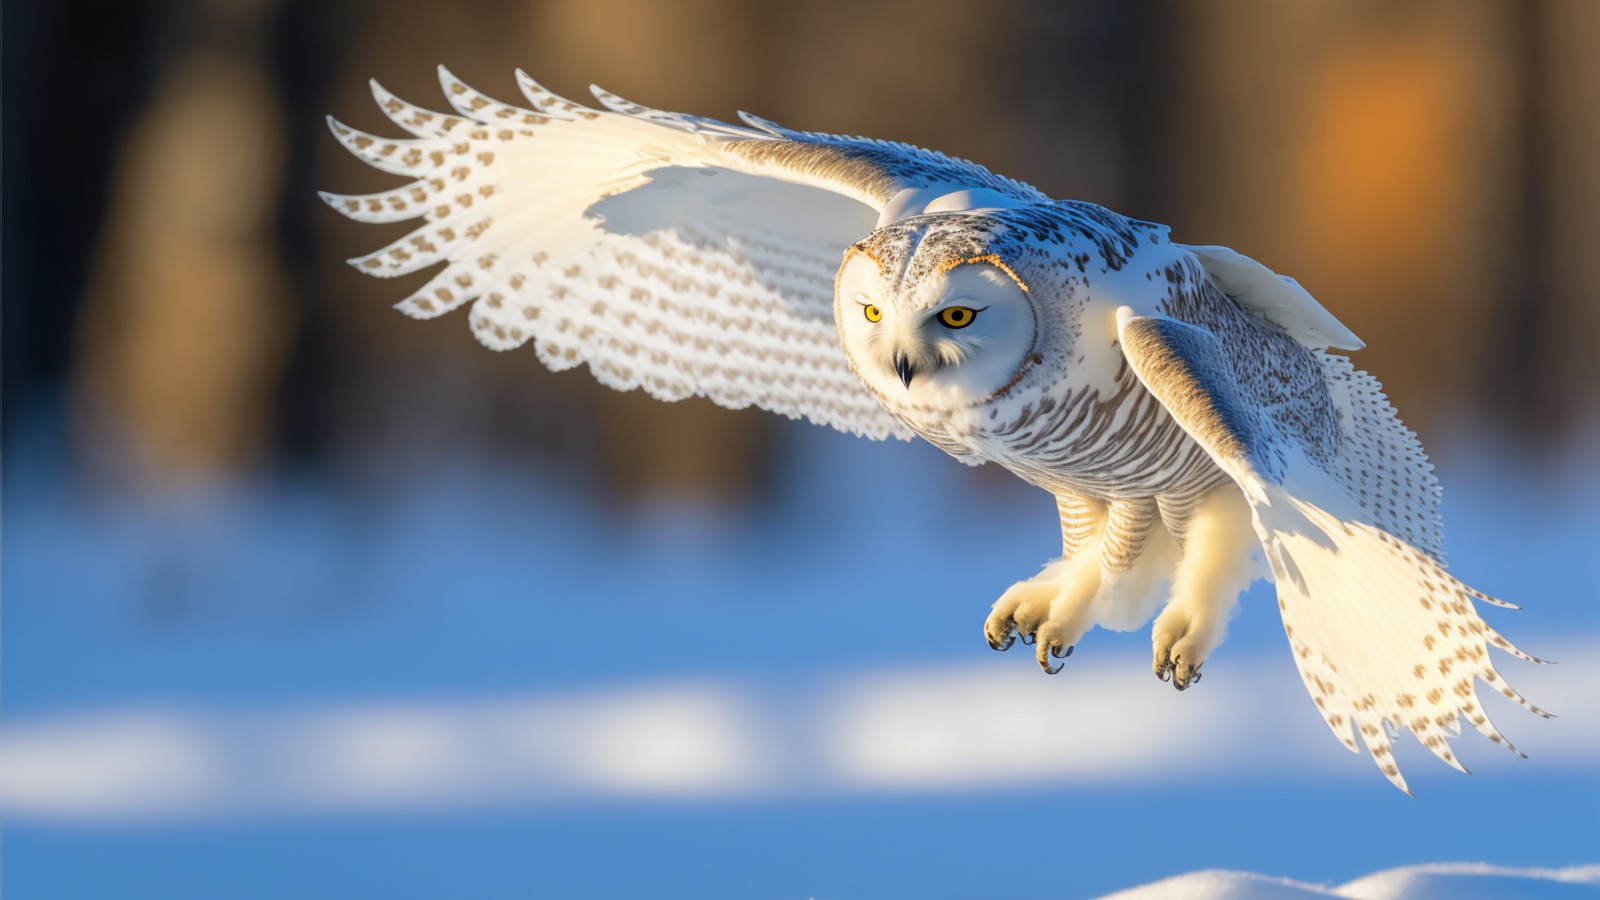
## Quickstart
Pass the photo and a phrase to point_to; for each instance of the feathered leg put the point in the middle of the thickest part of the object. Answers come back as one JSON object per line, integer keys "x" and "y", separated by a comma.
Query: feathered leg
{"x": 1116, "y": 557}
{"x": 1218, "y": 564}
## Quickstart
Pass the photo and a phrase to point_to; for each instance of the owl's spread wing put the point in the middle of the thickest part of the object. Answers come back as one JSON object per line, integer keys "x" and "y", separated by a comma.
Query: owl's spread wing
{"x": 1383, "y": 637}
{"x": 678, "y": 254}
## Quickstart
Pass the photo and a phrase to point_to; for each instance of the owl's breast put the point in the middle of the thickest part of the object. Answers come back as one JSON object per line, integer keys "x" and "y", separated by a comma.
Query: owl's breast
{"x": 1077, "y": 420}
{"x": 1098, "y": 434}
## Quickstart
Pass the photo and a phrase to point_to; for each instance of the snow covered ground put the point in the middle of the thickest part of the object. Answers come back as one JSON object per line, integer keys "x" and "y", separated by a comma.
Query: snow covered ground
{"x": 945, "y": 729}
{"x": 1436, "y": 881}
{"x": 480, "y": 684}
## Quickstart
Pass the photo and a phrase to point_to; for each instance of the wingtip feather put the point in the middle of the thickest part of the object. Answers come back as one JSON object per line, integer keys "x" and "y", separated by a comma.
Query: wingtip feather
{"x": 381, "y": 95}
{"x": 544, "y": 100}
{"x": 767, "y": 125}
{"x": 453, "y": 87}
{"x": 613, "y": 101}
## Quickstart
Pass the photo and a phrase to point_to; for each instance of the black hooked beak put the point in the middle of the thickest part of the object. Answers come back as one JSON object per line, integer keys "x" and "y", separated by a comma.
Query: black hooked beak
{"x": 903, "y": 368}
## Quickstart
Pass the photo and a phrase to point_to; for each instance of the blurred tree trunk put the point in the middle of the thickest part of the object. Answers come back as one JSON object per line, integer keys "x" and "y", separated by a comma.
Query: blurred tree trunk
{"x": 1550, "y": 314}
{"x": 182, "y": 334}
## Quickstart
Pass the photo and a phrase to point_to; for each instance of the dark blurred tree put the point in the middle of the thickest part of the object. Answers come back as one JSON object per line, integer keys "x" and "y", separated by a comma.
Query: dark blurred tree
{"x": 72, "y": 76}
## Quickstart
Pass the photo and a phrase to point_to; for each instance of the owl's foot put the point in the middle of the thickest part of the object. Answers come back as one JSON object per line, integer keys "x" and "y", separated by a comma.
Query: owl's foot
{"x": 1049, "y": 611}
{"x": 1183, "y": 638}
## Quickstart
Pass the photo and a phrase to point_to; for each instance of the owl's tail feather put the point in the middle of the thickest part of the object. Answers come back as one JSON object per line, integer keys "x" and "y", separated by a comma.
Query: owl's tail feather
{"x": 1384, "y": 638}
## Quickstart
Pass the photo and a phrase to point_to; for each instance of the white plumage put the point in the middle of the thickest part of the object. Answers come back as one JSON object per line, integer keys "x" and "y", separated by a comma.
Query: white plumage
{"x": 1179, "y": 402}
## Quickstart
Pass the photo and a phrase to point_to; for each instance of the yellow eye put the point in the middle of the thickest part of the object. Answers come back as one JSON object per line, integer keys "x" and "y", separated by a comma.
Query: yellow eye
{"x": 872, "y": 312}
{"x": 957, "y": 316}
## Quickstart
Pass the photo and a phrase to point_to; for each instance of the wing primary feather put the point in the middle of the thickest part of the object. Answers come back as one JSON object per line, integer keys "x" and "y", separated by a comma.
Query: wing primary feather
{"x": 397, "y": 205}
{"x": 418, "y": 250}
{"x": 770, "y": 127}
{"x": 421, "y": 122}
{"x": 384, "y": 154}
{"x": 458, "y": 93}
{"x": 1440, "y": 748}
{"x": 1496, "y": 602}
{"x": 619, "y": 104}
{"x": 1498, "y": 640}
{"x": 547, "y": 101}
{"x": 1486, "y": 727}
{"x": 443, "y": 293}
{"x": 480, "y": 107}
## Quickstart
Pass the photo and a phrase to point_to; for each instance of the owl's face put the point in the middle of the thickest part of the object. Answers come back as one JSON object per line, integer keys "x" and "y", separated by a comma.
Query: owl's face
{"x": 952, "y": 338}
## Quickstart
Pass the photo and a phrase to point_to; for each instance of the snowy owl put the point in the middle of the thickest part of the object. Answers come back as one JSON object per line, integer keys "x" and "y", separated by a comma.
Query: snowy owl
{"x": 1179, "y": 402}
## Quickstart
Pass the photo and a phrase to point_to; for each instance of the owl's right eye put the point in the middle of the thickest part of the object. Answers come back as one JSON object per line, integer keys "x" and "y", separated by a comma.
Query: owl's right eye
{"x": 872, "y": 313}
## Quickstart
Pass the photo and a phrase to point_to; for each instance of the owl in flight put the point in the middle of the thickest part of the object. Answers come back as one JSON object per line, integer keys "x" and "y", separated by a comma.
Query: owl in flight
{"x": 1179, "y": 402}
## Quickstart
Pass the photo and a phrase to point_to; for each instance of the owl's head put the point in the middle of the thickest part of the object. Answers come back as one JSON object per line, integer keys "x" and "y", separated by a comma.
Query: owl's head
{"x": 929, "y": 320}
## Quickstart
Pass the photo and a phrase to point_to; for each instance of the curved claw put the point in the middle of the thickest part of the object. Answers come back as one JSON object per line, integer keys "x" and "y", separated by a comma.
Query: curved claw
{"x": 1186, "y": 677}
{"x": 1052, "y": 650}
{"x": 1047, "y": 650}
{"x": 1028, "y": 640}
{"x": 1003, "y": 642}
{"x": 1164, "y": 674}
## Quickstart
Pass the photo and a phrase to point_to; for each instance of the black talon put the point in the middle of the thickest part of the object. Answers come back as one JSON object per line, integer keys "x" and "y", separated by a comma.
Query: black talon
{"x": 1187, "y": 677}
{"x": 1027, "y": 640}
{"x": 1058, "y": 653}
{"x": 1049, "y": 669}
{"x": 1164, "y": 674}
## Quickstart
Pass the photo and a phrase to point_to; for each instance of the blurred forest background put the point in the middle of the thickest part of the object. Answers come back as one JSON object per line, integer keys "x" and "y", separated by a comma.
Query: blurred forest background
{"x": 304, "y": 598}
{"x": 176, "y": 309}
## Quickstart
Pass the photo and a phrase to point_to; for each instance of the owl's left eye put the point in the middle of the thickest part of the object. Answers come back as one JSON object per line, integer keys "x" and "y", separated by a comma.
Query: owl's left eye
{"x": 957, "y": 316}
{"x": 872, "y": 313}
